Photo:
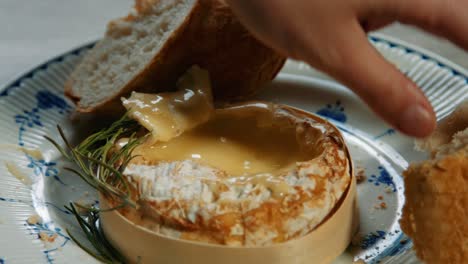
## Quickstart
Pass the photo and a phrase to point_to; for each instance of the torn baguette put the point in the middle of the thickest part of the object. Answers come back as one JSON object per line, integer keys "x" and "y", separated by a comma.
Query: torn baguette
{"x": 436, "y": 208}
{"x": 150, "y": 48}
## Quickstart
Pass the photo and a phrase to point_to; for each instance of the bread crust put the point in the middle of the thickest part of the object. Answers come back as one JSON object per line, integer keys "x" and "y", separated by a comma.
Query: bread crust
{"x": 436, "y": 208}
{"x": 211, "y": 37}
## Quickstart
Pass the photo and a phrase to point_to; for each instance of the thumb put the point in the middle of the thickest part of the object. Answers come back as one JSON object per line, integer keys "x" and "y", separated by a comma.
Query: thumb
{"x": 381, "y": 85}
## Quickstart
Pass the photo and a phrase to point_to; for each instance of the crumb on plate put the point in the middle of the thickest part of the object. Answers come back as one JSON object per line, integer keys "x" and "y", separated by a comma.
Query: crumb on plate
{"x": 34, "y": 219}
{"x": 360, "y": 175}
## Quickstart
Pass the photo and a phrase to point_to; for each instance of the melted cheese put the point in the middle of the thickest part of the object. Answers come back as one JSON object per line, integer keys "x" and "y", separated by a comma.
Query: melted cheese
{"x": 246, "y": 141}
{"x": 17, "y": 173}
{"x": 233, "y": 143}
{"x": 35, "y": 153}
{"x": 167, "y": 115}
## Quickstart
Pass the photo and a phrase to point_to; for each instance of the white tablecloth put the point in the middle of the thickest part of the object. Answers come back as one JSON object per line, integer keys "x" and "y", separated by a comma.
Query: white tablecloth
{"x": 32, "y": 31}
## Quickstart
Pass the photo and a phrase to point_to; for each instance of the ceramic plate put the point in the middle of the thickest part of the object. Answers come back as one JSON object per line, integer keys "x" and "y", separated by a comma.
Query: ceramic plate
{"x": 33, "y": 182}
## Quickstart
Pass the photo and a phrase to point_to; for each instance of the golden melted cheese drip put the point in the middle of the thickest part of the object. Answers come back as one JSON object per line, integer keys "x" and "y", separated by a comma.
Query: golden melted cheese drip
{"x": 246, "y": 141}
{"x": 233, "y": 143}
{"x": 167, "y": 115}
{"x": 14, "y": 170}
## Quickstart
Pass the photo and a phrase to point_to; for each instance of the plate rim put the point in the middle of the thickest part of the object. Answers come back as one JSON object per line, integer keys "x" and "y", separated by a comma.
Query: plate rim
{"x": 426, "y": 54}
{"x": 14, "y": 82}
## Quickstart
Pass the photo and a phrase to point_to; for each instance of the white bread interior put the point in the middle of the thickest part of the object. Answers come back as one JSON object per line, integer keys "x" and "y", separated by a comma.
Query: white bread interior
{"x": 450, "y": 134}
{"x": 458, "y": 143}
{"x": 128, "y": 47}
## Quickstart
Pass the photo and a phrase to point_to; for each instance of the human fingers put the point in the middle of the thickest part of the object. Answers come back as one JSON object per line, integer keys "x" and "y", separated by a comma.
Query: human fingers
{"x": 328, "y": 36}
{"x": 380, "y": 84}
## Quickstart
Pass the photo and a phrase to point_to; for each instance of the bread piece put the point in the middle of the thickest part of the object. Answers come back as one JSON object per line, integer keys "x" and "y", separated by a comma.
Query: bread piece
{"x": 435, "y": 214}
{"x": 150, "y": 48}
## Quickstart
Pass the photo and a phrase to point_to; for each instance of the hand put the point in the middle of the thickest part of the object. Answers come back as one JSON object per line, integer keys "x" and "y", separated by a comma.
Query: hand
{"x": 330, "y": 35}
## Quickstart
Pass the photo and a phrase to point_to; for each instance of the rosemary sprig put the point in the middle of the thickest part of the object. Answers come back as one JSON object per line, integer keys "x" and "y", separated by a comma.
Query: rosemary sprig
{"x": 100, "y": 164}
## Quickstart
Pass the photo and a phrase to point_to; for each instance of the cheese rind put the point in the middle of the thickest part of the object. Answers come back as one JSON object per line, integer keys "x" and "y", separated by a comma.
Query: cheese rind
{"x": 251, "y": 174}
{"x": 206, "y": 204}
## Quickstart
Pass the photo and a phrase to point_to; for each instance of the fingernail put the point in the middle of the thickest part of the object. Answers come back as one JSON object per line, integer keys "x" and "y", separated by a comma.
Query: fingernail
{"x": 417, "y": 121}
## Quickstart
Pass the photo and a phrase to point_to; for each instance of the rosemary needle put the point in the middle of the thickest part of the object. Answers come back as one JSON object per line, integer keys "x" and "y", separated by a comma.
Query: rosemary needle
{"x": 89, "y": 223}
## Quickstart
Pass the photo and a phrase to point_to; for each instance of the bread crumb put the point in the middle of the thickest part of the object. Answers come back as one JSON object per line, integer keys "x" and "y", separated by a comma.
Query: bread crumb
{"x": 360, "y": 175}
{"x": 51, "y": 239}
{"x": 389, "y": 190}
{"x": 44, "y": 236}
{"x": 381, "y": 205}
{"x": 34, "y": 219}
{"x": 380, "y": 197}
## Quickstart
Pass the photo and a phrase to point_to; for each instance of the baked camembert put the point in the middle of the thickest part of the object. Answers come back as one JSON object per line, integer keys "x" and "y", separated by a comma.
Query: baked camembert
{"x": 250, "y": 174}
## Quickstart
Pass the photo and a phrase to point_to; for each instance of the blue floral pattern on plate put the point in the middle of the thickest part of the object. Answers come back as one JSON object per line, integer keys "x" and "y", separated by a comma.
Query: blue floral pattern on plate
{"x": 29, "y": 119}
{"x": 334, "y": 111}
{"x": 372, "y": 238}
{"x": 43, "y": 231}
{"x": 388, "y": 132}
{"x": 383, "y": 178}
